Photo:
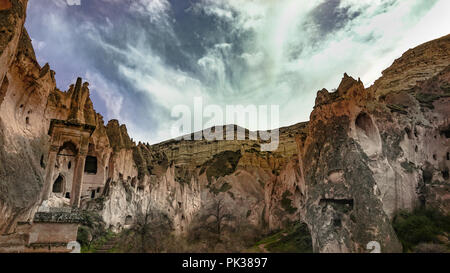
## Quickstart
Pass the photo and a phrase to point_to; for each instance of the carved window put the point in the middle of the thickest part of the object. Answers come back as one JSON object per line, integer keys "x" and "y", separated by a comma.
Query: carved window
{"x": 90, "y": 166}
{"x": 58, "y": 185}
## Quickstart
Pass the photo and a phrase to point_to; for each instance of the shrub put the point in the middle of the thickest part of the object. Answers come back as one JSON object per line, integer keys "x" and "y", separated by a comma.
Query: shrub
{"x": 286, "y": 203}
{"x": 420, "y": 226}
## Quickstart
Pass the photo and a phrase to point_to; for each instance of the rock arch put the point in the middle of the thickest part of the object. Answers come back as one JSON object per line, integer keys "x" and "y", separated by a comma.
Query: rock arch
{"x": 68, "y": 148}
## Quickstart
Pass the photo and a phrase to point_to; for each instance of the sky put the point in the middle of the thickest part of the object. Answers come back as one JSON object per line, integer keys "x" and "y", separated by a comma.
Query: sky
{"x": 144, "y": 57}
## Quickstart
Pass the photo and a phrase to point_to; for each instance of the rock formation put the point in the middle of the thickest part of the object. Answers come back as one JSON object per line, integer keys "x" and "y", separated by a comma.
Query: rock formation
{"x": 365, "y": 154}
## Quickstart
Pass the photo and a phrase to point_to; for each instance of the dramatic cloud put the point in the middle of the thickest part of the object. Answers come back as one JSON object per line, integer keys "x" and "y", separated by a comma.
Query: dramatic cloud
{"x": 143, "y": 57}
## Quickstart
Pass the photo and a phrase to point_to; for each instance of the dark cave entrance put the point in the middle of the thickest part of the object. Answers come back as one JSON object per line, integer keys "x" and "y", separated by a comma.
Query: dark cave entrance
{"x": 90, "y": 166}
{"x": 58, "y": 184}
{"x": 367, "y": 134}
{"x": 365, "y": 124}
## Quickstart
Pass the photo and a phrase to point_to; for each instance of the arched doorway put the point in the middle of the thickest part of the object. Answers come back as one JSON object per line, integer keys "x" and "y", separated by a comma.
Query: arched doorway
{"x": 68, "y": 149}
{"x": 367, "y": 134}
{"x": 58, "y": 185}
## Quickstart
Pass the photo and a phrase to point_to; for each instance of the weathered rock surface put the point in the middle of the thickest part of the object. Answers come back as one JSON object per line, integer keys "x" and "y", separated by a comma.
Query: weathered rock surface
{"x": 365, "y": 153}
{"x": 371, "y": 152}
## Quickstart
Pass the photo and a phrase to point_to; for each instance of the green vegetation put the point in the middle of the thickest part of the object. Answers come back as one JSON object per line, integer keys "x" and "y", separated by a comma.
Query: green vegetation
{"x": 224, "y": 188}
{"x": 222, "y": 164}
{"x": 294, "y": 239}
{"x": 91, "y": 231}
{"x": 446, "y": 88}
{"x": 398, "y": 108}
{"x": 98, "y": 244}
{"x": 408, "y": 166}
{"x": 427, "y": 99}
{"x": 286, "y": 203}
{"x": 422, "y": 226}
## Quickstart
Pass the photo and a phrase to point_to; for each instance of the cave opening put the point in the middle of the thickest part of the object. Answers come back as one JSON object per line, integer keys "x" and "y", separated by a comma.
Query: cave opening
{"x": 42, "y": 162}
{"x": 90, "y": 166}
{"x": 445, "y": 174}
{"x": 337, "y": 222}
{"x": 364, "y": 122}
{"x": 128, "y": 220}
{"x": 427, "y": 176}
{"x": 93, "y": 194}
{"x": 367, "y": 134}
{"x": 58, "y": 184}
{"x": 408, "y": 132}
{"x": 446, "y": 133}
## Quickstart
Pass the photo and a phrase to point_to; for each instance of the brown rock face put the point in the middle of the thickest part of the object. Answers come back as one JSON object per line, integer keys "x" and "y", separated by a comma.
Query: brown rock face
{"x": 5, "y": 4}
{"x": 365, "y": 154}
{"x": 21, "y": 146}
{"x": 416, "y": 65}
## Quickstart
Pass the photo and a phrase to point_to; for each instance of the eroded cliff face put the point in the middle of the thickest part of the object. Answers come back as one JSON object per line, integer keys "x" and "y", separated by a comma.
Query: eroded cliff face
{"x": 22, "y": 136}
{"x": 371, "y": 152}
{"x": 365, "y": 153}
{"x": 181, "y": 177}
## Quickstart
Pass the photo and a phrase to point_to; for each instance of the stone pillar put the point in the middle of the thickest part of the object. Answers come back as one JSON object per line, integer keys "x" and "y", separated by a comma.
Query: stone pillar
{"x": 49, "y": 172}
{"x": 77, "y": 181}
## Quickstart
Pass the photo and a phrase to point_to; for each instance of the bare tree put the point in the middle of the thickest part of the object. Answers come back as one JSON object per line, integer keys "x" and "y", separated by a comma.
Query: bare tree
{"x": 220, "y": 214}
{"x": 212, "y": 221}
{"x": 151, "y": 227}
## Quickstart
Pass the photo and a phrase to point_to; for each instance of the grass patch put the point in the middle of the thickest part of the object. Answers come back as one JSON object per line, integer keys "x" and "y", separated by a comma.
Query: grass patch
{"x": 426, "y": 99}
{"x": 295, "y": 239}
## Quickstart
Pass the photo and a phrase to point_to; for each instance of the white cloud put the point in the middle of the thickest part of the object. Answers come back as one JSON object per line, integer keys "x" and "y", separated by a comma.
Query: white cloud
{"x": 156, "y": 9}
{"x": 273, "y": 53}
{"x": 111, "y": 97}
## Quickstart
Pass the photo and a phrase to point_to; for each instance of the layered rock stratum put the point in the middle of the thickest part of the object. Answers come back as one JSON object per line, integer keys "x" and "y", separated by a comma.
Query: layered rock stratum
{"x": 365, "y": 154}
